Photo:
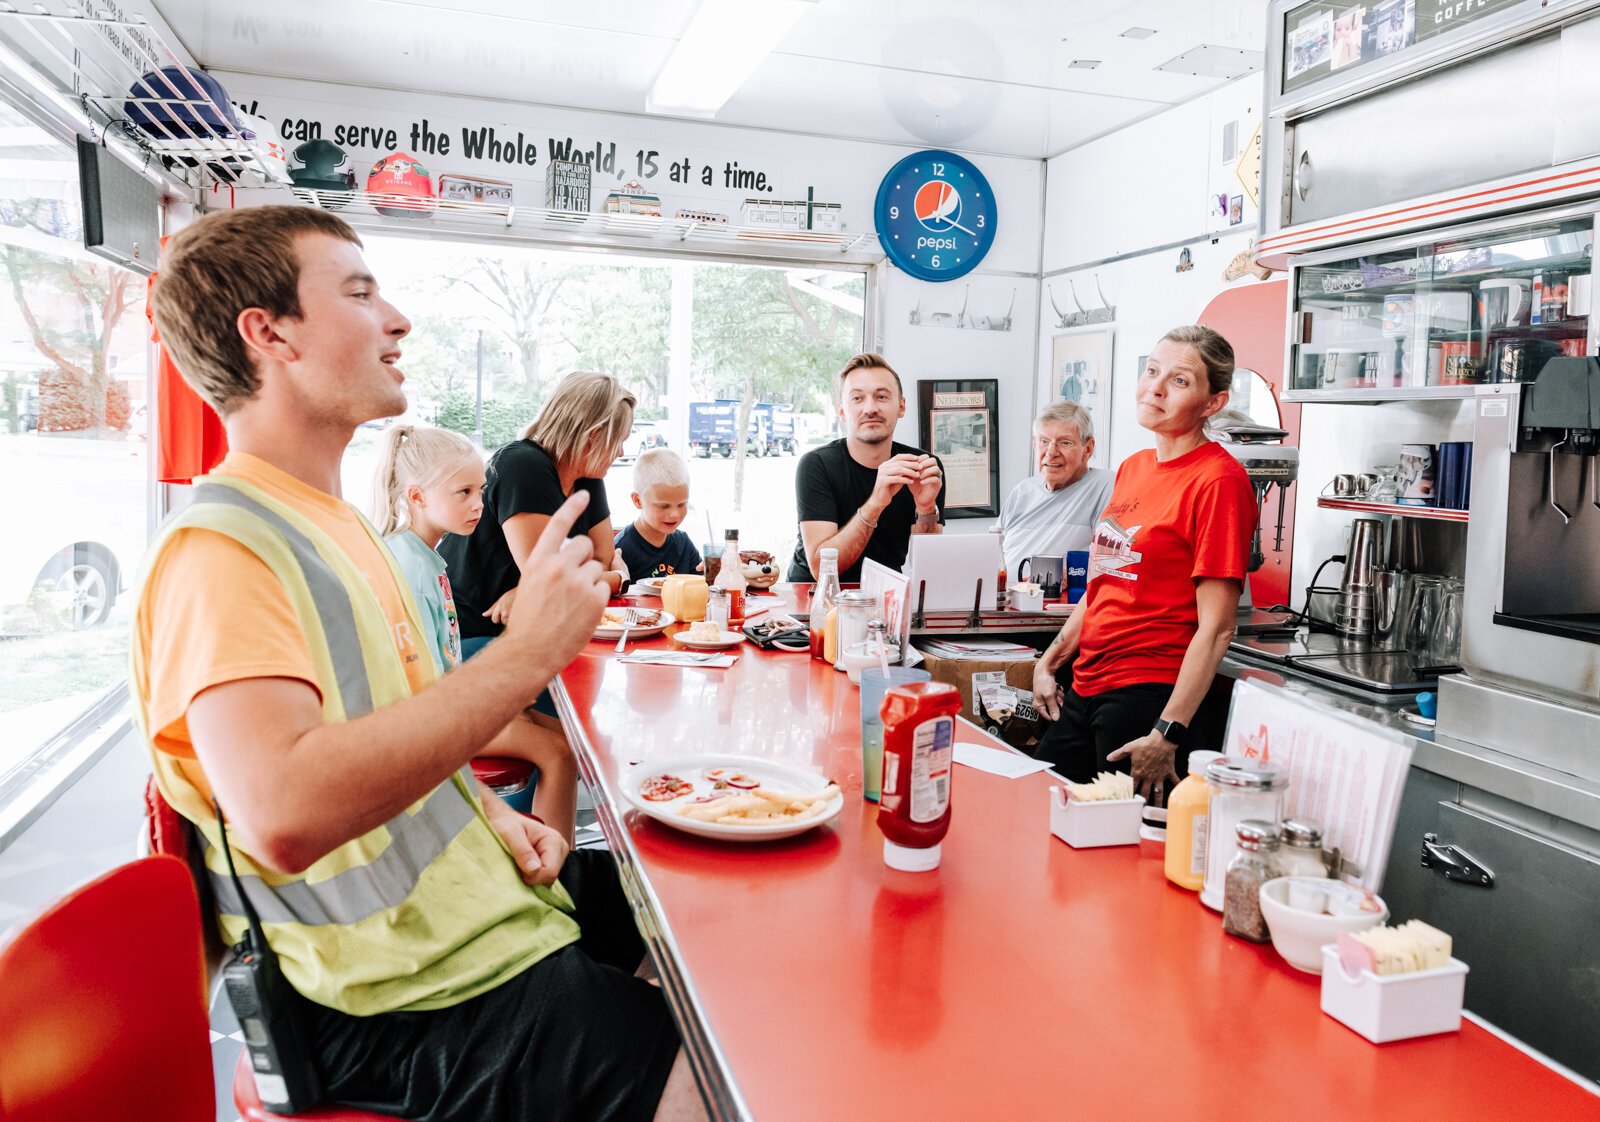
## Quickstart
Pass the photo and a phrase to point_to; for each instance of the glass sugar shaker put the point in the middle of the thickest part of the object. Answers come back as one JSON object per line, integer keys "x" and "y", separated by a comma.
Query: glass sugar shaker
{"x": 1300, "y": 849}
{"x": 1251, "y": 867}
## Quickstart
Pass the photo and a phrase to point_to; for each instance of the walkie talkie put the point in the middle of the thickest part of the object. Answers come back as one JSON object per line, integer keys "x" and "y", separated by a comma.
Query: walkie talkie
{"x": 285, "y": 1072}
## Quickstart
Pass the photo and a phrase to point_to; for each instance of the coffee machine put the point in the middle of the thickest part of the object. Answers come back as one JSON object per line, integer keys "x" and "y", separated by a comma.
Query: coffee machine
{"x": 1531, "y": 618}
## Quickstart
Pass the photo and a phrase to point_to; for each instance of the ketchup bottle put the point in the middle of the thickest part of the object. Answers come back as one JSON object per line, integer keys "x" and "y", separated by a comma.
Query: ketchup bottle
{"x": 919, "y": 734}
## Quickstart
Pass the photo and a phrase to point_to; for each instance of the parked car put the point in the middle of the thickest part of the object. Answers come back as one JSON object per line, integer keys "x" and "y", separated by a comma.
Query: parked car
{"x": 644, "y": 436}
{"x": 75, "y": 544}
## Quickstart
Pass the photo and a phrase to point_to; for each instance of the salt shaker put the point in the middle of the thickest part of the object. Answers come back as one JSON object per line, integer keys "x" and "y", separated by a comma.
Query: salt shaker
{"x": 1250, "y": 868}
{"x": 1300, "y": 849}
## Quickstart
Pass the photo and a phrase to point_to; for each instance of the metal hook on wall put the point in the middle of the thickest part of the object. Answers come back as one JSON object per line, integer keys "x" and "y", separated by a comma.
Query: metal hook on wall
{"x": 960, "y": 319}
{"x": 1083, "y": 317}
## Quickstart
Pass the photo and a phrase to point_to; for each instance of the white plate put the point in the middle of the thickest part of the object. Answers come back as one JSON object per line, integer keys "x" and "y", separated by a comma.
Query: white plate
{"x": 724, "y": 640}
{"x": 649, "y": 586}
{"x": 610, "y": 630}
{"x": 789, "y": 779}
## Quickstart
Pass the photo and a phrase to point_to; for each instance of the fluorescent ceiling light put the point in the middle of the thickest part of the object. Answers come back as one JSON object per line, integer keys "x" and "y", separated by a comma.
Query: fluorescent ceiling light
{"x": 725, "y": 42}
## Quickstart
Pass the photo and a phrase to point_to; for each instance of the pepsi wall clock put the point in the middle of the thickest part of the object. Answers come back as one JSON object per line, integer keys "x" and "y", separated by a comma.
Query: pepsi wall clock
{"x": 935, "y": 215}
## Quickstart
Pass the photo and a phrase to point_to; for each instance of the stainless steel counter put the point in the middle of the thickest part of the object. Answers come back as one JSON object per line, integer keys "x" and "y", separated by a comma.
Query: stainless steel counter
{"x": 1546, "y": 802}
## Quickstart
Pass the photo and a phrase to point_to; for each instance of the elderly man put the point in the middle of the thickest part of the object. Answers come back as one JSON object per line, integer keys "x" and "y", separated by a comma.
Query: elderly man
{"x": 1056, "y": 510}
{"x": 865, "y": 494}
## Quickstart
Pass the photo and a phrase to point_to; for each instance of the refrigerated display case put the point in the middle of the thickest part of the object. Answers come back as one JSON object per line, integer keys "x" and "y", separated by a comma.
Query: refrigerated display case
{"x": 1436, "y": 316}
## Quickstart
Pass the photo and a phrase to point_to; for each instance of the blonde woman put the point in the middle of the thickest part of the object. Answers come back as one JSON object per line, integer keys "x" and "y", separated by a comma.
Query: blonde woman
{"x": 577, "y": 436}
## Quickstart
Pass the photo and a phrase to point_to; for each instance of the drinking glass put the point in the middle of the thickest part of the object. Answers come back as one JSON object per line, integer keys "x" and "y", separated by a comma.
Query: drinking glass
{"x": 875, "y": 682}
{"x": 1444, "y": 647}
{"x": 1421, "y": 618}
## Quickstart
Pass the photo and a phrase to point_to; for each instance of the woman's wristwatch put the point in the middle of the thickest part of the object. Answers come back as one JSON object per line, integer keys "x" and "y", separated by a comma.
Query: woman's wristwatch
{"x": 1171, "y": 731}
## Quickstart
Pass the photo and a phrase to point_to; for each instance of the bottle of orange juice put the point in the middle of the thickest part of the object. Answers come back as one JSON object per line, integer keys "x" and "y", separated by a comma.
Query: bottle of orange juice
{"x": 824, "y": 632}
{"x": 1188, "y": 819}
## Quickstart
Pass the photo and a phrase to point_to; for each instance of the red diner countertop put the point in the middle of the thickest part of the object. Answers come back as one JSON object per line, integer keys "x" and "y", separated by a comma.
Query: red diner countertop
{"x": 1022, "y": 979}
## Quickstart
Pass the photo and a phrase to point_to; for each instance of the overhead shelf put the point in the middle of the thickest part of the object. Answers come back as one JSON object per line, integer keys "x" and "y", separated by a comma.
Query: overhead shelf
{"x": 87, "y": 64}
{"x": 1432, "y": 513}
{"x": 407, "y": 214}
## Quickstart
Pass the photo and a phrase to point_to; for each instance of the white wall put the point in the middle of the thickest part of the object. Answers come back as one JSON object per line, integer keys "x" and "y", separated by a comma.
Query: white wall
{"x": 1148, "y": 185}
{"x": 847, "y": 172}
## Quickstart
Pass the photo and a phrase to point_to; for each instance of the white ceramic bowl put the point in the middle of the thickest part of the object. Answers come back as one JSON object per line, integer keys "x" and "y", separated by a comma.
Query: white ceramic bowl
{"x": 1299, "y": 935}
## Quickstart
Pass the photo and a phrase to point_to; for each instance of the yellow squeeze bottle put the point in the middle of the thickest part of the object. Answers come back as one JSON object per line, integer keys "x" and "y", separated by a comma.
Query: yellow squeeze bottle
{"x": 830, "y": 637}
{"x": 1188, "y": 820}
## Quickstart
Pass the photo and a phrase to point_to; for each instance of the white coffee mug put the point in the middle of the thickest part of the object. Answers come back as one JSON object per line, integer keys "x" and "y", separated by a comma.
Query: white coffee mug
{"x": 1027, "y": 597}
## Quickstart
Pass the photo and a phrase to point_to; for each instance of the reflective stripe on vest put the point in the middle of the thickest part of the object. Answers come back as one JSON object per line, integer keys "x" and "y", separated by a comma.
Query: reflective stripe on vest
{"x": 327, "y": 592}
{"x": 415, "y": 840}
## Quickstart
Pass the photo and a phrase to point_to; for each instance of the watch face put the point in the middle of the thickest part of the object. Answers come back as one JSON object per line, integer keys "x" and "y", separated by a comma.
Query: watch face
{"x": 935, "y": 215}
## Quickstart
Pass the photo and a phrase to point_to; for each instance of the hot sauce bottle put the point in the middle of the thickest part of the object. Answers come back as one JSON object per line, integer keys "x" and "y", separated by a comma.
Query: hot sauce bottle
{"x": 919, "y": 733}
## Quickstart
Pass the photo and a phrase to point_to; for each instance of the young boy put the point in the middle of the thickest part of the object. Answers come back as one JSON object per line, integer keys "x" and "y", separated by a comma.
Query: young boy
{"x": 654, "y": 546}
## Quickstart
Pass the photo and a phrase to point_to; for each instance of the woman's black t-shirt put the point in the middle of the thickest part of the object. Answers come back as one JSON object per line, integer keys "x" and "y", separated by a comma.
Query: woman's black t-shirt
{"x": 522, "y": 479}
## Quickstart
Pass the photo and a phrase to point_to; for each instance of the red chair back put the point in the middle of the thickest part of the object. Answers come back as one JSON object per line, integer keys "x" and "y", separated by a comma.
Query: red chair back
{"x": 103, "y": 1004}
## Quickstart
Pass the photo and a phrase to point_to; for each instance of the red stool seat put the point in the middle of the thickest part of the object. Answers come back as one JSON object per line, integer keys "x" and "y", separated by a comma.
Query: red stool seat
{"x": 251, "y": 1110}
{"x": 502, "y": 775}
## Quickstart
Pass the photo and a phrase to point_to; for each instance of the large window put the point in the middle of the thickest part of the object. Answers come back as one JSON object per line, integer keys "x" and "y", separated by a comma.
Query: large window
{"x": 73, "y": 424}
{"x": 503, "y": 328}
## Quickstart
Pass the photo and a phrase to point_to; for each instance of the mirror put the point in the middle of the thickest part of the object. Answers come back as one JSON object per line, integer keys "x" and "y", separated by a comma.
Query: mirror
{"x": 1251, "y": 395}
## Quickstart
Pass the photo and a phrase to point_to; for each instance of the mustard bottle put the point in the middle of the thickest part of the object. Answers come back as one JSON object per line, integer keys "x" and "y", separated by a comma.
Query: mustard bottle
{"x": 1188, "y": 819}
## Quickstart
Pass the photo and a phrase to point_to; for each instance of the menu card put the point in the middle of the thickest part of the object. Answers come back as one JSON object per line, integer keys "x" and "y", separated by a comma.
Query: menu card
{"x": 1344, "y": 771}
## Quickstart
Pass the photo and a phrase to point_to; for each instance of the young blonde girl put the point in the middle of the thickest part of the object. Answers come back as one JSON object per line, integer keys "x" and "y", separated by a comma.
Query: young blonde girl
{"x": 429, "y": 484}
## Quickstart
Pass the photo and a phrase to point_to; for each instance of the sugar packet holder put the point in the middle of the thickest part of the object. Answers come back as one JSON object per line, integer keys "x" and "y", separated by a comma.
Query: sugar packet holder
{"x": 1087, "y": 825}
{"x": 1385, "y": 1007}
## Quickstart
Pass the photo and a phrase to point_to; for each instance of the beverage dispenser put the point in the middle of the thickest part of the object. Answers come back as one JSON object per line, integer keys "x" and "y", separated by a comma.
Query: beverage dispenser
{"x": 1531, "y": 628}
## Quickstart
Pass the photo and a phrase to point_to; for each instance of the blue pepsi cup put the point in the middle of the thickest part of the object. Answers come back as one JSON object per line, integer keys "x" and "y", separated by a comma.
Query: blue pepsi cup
{"x": 1077, "y": 574}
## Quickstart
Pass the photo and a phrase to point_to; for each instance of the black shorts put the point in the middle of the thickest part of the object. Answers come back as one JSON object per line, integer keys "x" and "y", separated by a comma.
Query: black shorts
{"x": 573, "y": 1038}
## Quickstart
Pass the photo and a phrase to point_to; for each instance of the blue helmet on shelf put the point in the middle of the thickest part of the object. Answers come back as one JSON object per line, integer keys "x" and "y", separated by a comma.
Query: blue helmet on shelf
{"x": 179, "y": 103}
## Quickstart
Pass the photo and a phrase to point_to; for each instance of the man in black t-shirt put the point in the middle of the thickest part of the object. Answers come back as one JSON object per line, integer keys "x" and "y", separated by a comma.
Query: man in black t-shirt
{"x": 865, "y": 495}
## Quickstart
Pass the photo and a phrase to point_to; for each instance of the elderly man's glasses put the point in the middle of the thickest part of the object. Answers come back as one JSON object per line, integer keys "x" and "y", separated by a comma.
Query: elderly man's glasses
{"x": 1045, "y": 443}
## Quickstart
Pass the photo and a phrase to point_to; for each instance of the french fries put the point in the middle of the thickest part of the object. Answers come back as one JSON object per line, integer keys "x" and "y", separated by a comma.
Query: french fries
{"x": 759, "y": 807}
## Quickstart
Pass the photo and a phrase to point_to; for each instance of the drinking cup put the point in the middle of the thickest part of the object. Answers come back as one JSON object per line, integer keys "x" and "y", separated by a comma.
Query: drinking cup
{"x": 1444, "y": 648}
{"x": 1361, "y": 487}
{"x": 1343, "y": 485}
{"x": 712, "y": 555}
{"x": 875, "y": 682}
{"x": 1421, "y": 616}
{"x": 1046, "y": 572}
{"x": 1077, "y": 574}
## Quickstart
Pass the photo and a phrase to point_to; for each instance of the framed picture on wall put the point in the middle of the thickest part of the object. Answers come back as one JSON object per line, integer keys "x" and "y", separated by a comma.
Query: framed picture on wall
{"x": 958, "y": 422}
{"x": 1080, "y": 371}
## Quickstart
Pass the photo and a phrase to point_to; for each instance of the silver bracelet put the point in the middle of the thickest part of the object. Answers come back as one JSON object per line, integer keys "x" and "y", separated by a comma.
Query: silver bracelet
{"x": 869, "y": 525}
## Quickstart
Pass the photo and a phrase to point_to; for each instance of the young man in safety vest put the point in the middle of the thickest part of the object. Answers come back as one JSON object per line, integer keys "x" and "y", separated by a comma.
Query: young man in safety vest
{"x": 445, "y": 971}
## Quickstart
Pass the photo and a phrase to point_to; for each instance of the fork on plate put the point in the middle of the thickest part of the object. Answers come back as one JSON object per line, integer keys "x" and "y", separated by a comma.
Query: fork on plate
{"x": 630, "y": 617}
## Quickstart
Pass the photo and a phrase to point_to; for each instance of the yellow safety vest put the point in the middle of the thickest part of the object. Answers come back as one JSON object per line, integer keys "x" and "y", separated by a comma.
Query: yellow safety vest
{"x": 422, "y": 912}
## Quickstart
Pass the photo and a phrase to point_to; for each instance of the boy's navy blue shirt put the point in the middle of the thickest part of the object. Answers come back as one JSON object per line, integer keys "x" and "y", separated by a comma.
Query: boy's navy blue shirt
{"x": 676, "y": 555}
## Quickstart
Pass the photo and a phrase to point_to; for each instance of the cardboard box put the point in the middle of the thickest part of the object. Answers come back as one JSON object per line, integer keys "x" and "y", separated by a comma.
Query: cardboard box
{"x": 960, "y": 673}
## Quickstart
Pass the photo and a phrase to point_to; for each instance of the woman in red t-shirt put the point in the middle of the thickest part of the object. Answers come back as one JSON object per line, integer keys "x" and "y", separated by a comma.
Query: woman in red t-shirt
{"x": 1166, "y": 568}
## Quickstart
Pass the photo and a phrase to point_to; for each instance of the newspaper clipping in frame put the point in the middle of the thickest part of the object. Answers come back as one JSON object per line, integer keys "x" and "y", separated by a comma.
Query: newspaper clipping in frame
{"x": 961, "y": 431}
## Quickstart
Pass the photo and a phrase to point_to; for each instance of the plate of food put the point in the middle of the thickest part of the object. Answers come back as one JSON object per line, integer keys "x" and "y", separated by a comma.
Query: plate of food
{"x": 707, "y": 636}
{"x": 736, "y": 798}
{"x": 649, "y": 586}
{"x": 647, "y": 622}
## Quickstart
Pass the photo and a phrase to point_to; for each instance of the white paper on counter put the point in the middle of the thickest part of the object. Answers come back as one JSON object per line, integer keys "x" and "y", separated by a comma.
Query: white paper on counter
{"x": 681, "y": 658}
{"x": 996, "y": 761}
